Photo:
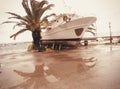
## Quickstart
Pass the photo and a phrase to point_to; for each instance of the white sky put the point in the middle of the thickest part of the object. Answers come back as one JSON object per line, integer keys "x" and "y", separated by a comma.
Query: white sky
{"x": 105, "y": 10}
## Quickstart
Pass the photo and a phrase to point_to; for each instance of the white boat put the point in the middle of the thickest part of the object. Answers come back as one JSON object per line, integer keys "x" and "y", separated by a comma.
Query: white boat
{"x": 68, "y": 28}
{"x": 73, "y": 29}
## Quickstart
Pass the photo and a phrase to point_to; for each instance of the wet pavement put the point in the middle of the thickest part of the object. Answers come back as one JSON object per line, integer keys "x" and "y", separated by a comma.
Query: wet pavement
{"x": 90, "y": 67}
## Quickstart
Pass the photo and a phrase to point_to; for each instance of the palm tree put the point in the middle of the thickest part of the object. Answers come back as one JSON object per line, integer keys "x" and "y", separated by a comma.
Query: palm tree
{"x": 33, "y": 21}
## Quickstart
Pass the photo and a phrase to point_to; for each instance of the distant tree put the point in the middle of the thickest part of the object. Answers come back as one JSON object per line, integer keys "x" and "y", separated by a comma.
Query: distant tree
{"x": 33, "y": 21}
{"x": 119, "y": 41}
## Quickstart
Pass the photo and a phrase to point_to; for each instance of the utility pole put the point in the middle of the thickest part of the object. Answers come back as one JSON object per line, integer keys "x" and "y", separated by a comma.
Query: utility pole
{"x": 110, "y": 33}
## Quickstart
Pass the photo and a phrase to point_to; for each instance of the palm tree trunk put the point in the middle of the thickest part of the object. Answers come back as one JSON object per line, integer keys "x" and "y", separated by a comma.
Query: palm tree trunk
{"x": 36, "y": 39}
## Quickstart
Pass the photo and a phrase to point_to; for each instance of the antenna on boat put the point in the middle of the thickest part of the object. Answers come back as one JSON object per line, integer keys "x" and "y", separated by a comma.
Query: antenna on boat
{"x": 65, "y": 4}
{"x": 68, "y": 7}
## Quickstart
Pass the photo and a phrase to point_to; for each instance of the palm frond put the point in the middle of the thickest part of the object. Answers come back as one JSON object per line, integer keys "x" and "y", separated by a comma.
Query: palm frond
{"x": 42, "y": 3}
{"x": 45, "y": 8}
{"x": 94, "y": 33}
{"x": 47, "y": 16}
{"x": 19, "y": 24}
{"x": 91, "y": 28}
{"x": 9, "y": 22}
{"x": 21, "y": 31}
{"x": 27, "y": 9}
{"x": 17, "y": 16}
{"x": 34, "y": 5}
{"x": 42, "y": 10}
{"x": 45, "y": 22}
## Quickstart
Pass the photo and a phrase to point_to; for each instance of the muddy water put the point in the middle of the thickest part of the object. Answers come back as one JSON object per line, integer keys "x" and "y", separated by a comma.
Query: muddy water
{"x": 91, "y": 67}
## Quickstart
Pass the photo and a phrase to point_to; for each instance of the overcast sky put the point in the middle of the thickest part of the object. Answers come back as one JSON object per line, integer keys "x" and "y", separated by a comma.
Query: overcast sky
{"x": 105, "y": 10}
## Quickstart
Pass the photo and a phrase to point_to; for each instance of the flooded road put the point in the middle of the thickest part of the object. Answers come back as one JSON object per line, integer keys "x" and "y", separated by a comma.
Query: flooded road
{"x": 91, "y": 67}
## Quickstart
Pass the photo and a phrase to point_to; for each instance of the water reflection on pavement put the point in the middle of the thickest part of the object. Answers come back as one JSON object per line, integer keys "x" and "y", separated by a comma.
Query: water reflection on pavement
{"x": 82, "y": 68}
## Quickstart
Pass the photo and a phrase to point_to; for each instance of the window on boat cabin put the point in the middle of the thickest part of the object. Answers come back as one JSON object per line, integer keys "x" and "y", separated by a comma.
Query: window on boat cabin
{"x": 79, "y": 31}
